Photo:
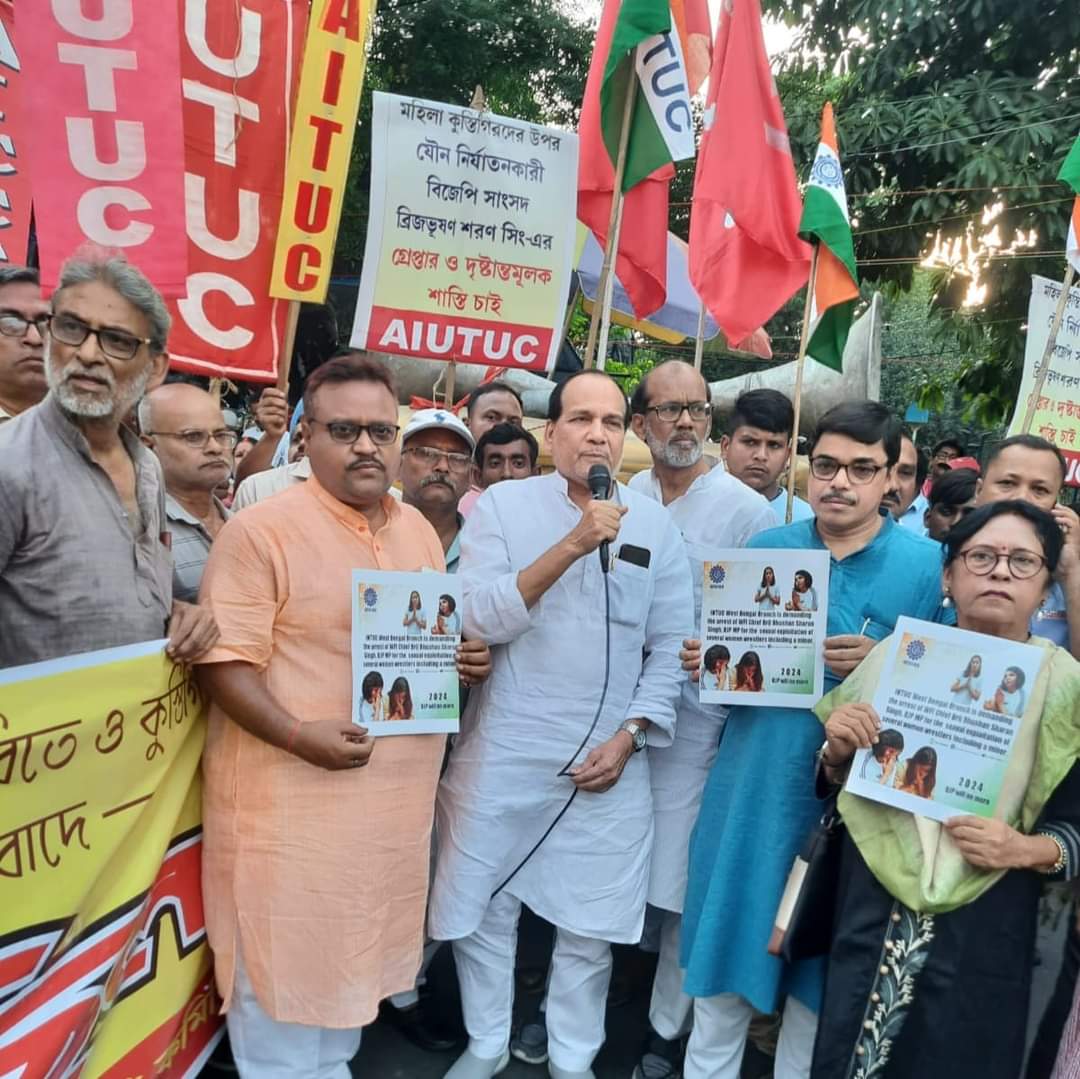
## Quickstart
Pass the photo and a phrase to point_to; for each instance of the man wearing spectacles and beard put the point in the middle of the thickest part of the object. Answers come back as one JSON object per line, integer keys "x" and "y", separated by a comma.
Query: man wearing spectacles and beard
{"x": 436, "y": 468}
{"x": 185, "y": 428}
{"x": 743, "y": 845}
{"x": 84, "y": 556}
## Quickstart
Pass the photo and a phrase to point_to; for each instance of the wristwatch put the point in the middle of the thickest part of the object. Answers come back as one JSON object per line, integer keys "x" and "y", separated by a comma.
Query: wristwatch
{"x": 637, "y": 732}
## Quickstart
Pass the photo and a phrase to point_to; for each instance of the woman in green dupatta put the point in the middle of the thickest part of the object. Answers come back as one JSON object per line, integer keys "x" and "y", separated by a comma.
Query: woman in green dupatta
{"x": 930, "y": 970}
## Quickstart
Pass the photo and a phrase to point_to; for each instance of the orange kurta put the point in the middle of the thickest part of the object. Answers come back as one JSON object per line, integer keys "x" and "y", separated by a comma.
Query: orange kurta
{"x": 320, "y": 877}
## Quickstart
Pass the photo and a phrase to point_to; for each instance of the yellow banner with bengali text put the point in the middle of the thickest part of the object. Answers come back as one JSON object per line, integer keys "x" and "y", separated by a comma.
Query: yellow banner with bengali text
{"x": 104, "y": 966}
{"x": 327, "y": 103}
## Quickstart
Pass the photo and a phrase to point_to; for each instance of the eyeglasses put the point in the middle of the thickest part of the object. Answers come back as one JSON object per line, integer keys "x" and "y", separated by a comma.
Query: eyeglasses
{"x": 670, "y": 411}
{"x": 982, "y": 561}
{"x": 198, "y": 440}
{"x": 12, "y": 325}
{"x": 347, "y": 434}
{"x": 858, "y": 472}
{"x": 456, "y": 462}
{"x": 116, "y": 344}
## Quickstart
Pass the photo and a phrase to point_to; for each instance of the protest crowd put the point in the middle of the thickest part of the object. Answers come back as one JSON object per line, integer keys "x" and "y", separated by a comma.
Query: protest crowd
{"x": 324, "y": 688}
{"x": 588, "y": 782}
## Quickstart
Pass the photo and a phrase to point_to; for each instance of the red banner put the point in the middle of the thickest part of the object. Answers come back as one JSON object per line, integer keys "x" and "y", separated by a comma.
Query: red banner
{"x": 14, "y": 176}
{"x": 239, "y": 63}
{"x": 104, "y": 132}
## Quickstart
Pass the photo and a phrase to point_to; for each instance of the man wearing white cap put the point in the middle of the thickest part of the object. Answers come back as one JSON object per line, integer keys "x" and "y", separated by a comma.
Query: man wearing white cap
{"x": 436, "y": 467}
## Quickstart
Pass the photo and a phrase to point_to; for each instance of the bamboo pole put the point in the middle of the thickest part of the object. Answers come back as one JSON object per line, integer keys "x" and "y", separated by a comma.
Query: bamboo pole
{"x": 609, "y": 295}
{"x": 602, "y": 310}
{"x": 285, "y": 363}
{"x": 448, "y": 389}
{"x": 1048, "y": 352}
{"x": 800, "y": 364}
{"x": 699, "y": 341}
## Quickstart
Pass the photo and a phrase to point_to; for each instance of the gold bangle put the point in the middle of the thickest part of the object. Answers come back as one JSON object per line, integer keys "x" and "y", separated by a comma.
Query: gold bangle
{"x": 1063, "y": 856}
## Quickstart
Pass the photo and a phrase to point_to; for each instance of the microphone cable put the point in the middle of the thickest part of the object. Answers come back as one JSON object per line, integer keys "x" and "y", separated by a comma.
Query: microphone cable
{"x": 584, "y": 742}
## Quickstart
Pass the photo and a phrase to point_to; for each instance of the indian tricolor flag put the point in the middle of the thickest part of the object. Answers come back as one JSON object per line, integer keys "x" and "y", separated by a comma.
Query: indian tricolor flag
{"x": 1070, "y": 174}
{"x": 825, "y": 222}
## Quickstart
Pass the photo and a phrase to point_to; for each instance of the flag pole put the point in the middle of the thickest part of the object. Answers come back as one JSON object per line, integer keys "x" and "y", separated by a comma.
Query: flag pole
{"x": 800, "y": 363}
{"x": 285, "y": 363}
{"x": 601, "y": 315}
{"x": 699, "y": 341}
{"x": 1048, "y": 352}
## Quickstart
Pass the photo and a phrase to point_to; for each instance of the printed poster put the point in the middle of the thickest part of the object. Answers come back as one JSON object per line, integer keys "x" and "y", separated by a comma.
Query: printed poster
{"x": 763, "y": 619}
{"x": 950, "y": 704}
{"x": 405, "y": 632}
{"x": 105, "y": 971}
{"x": 471, "y": 236}
{"x": 1057, "y": 417}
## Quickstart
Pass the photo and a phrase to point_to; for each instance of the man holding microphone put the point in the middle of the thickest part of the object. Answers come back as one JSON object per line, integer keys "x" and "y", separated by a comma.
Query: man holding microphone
{"x": 546, "y": 800}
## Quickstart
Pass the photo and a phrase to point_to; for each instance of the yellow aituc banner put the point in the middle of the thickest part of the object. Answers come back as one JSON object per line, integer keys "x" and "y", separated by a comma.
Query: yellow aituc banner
{"x": 327, "y": 102}
{"x": 104, "y": 968}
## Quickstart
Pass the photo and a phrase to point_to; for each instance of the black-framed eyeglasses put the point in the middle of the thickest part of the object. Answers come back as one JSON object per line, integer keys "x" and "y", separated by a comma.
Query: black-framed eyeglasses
{"x": 347, "y": 434}
{"x": 858, "y": 472}
{"x": 456, "y": 462}
{"x": 982, "y": 561}
{"x": 198, "y": 440}
{"x": 670, "y": 411}
{"x": 116, "y": 344}
{"x": 13, "y": 325}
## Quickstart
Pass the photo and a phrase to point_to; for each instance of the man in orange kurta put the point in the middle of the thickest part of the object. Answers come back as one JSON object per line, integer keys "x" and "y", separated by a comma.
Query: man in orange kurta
{"x": 316, "y": 841}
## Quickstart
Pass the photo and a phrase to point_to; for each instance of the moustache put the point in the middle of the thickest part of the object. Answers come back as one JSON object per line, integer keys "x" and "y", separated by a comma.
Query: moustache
{"x": 438, "y": 477}
{"x": 845, "y": 500}
{"x": 77, "y": 369}
{"x": 365, "y": 462}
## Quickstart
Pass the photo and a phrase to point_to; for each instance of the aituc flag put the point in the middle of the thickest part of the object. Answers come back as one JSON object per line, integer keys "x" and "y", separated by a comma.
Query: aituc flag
{"x": 640, "y": 49}
{"x": 1070, "y": 174}
{"x": 825, "y": 221}
{"x": 746, "y": 258}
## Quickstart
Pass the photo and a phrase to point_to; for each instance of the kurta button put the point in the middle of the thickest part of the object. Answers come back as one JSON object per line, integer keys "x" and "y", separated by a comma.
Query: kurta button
{"x": 859, "y": 1051}
{"x": 883, "y": 969}
{"x": 896, "y": 916}
{"x": 875, "y": 997}
{"x": 868, "y": 1025}
{"x": 889, "y": 945}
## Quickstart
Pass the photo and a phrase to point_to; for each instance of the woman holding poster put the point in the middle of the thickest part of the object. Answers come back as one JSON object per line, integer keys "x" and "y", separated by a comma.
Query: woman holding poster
{"x": 967, "y": 689}
{"x": 767, "y": 596}
{"x": 953, "y": 907}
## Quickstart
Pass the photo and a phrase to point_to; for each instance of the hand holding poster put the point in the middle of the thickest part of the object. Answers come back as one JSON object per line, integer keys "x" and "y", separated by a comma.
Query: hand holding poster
{"x": 406, "y": 632}
{"x": 950, "y": 704}
{"x": 470, "y": 237}
{"x": 763, "y": 626}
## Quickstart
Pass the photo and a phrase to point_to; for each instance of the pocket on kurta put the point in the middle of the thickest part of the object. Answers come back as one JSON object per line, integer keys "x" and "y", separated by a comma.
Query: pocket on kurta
{"x": 631, "y": 590}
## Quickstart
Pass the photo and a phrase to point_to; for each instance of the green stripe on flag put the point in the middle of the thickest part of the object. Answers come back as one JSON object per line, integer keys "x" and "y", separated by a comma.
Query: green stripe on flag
{"x": 826, "y": 344}
{"x": 1070, "y": 170}
{"x": 822, "y": 219}
{"x": 646, "y": 150}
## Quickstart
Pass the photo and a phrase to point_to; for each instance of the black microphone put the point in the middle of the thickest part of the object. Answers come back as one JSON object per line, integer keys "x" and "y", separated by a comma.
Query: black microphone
{"x": 600, "y": 486}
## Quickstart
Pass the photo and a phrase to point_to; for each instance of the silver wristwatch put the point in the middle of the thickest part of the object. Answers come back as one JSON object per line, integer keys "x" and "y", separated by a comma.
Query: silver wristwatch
{"x": 638, "y": 733}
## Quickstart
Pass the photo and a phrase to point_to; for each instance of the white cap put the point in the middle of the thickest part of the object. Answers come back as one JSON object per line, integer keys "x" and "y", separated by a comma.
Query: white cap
{"x": 428, "y": 419}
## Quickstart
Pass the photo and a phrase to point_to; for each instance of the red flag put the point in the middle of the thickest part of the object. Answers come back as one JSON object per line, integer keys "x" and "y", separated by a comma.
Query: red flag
{"x": 641, "y": 265}
{"x": 746, "y": 259}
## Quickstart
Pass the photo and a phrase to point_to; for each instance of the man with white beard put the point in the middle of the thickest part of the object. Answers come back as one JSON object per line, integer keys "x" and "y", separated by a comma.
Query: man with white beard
{"x": 84, "y": 547}
{"x": 672, "y": 415}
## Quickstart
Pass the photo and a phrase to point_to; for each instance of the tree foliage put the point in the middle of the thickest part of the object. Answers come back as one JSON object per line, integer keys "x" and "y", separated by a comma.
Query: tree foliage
{"x": 947, "y": 109}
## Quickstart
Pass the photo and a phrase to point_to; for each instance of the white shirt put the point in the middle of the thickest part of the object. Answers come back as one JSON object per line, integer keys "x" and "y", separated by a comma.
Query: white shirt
{"x": 801, "y": 510}
{"x": 501, "y": 790}
{"x": 716, "y": 511}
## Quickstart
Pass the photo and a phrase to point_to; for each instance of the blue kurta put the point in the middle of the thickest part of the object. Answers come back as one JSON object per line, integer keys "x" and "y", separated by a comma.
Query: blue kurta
{"x": 759, "y": 803}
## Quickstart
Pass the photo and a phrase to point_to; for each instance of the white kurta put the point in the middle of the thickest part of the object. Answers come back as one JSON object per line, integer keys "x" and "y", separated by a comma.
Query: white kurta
{"x": 502, "y": 789}
{"x": 716, "y": 511}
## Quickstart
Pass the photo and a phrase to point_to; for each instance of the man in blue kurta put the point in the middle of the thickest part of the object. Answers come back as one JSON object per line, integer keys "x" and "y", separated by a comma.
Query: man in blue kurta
{"x": 759, "y": 803}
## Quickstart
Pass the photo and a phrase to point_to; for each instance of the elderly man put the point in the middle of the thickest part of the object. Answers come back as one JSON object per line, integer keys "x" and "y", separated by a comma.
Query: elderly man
{"x": 436, "y": 465}
{"x": 759, "y": 803}
{"x": 903, "y": 497}
{"x": 672, "y": 416}
{"x": 757, "y": 448}
{"x": 505, "y": 452}
{"x": 22, "y": 354}
{"x": 84, "y": 555}
{"x": 314, "y": 873}
{"x": 185, "y": 428}
{"x": 546, "y": 798}
{"x": 1031, "y": 469}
